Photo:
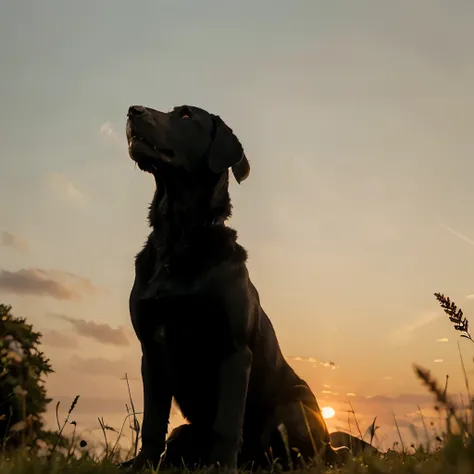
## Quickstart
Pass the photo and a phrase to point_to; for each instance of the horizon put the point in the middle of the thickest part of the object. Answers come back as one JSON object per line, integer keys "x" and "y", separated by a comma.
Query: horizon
{"x": 356, "y": 120}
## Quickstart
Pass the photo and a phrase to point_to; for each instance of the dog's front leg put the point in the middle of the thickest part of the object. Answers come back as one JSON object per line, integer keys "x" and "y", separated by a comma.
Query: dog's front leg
{"x": 234, "y": 376}
{"x": 157, "y": 393}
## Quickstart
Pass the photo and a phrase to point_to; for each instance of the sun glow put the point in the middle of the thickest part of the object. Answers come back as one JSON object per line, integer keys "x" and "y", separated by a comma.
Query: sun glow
{"x": 328, "y": 412}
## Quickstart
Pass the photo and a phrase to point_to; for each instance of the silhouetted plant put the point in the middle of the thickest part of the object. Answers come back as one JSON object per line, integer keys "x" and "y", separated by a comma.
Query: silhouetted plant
{"x": 59, "y": 437}
{"x": 441, "y": 397}
{"x": 455, "y": 314}
{"x": 22, "y": 367}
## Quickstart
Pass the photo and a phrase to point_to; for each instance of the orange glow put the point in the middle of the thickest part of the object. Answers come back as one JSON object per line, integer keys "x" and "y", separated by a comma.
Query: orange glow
{"x": 328, "y": 412}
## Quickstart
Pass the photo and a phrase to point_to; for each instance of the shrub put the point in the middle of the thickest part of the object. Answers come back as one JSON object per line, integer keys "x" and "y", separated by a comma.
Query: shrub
{"x": 22, "y": 393}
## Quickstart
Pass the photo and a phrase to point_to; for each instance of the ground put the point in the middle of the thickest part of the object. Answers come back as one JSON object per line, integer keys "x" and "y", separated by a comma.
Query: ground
{"x": 453, "y": 458}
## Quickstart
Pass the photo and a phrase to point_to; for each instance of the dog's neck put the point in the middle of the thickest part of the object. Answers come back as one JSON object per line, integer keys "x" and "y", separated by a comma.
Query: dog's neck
{"x": 189, "y": 233}
{"x": 181, "y": 214}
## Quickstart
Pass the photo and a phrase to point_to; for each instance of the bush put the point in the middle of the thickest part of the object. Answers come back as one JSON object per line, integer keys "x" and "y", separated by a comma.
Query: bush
{"x": 22, "y": 367}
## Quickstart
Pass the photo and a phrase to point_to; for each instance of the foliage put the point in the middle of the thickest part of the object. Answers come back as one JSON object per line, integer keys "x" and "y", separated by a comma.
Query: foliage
{"x": 22, "y": 369}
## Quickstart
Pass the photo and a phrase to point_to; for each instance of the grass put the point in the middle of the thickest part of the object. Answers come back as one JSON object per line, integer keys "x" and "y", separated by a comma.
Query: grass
{"x": 452, "y": 459}
{"x": 451, "y": 452}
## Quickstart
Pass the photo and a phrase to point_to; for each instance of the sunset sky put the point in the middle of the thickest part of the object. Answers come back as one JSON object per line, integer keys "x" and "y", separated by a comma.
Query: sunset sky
{"x": 357, "y": 119}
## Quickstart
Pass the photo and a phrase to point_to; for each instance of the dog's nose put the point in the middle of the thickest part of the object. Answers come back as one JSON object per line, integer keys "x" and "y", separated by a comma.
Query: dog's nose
{"x": 136, "y": 110}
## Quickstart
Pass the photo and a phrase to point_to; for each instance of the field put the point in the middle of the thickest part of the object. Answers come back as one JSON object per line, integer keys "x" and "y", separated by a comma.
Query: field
{"x": 454, "y": 458}
{"x": 450, "y": 451}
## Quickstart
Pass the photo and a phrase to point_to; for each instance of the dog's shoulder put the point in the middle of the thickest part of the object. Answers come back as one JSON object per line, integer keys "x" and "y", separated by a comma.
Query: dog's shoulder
{"x": 229, "y": 282}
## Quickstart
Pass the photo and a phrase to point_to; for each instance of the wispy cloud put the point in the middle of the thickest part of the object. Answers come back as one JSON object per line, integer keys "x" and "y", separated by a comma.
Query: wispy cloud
{"x": 470, "y": 297}
{"x": 104, "y": 367}
{"x": 54, "y": 338}
{"x": 312, "y": 360}
{"x": 101, "y": 332}
{"x": 443, "y": 339}
{"x": 109, "y": 132}
{"x": 405, "y": 334}
{"x": 7, "y": 239}
{"x": 405, "y": 398}
{"x": 438, "y": 361}
{"x": 65, "y": 189}
{"x": 54, "y": 283}
{"x": 458, "y": 234}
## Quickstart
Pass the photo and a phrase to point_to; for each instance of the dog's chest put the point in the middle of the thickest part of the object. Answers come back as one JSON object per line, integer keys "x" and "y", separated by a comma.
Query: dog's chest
{"x": 193, "y": 327}
{"x": 196, "y": 339}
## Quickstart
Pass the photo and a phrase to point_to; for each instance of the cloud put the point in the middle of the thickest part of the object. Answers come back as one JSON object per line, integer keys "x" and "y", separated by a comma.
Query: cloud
{"x": 470, "y": 297}
{"x": 104, "y": 367}
{"x": 58, "y": 339}
{"x": 405, "y": 334}
{"x": 421, "y": 321}
{"x": 66, "y": 189}
{"x": 315, "y": 362}
{"x": 101, "y": 332}
{"x": 108, "y": 131}
{"x": 443, "y": 339}
{"x": 438, "y": 361}
{"x": 405, "y": 399}
{"x": 7, "y": 239}
{"x": 54, "y": 283}
{"x": 458, "y": 234}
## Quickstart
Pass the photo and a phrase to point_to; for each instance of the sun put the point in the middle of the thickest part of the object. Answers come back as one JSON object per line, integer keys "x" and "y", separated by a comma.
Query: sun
{"x": 328, "y": 412}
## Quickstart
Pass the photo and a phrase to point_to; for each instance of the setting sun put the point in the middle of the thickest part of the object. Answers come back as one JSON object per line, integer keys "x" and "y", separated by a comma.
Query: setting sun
{"x": 328, "y": 412}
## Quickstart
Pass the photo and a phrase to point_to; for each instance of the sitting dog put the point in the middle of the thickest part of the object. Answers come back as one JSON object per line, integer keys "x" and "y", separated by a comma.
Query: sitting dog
{"x": 205, "y": 339}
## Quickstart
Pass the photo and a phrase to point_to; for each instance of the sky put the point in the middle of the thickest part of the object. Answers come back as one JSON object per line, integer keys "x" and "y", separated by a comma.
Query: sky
{"x": 356, "y": 118}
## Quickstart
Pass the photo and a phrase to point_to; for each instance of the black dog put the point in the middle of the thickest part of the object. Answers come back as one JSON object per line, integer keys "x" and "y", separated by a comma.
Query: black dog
{"x": 206, "y": 340}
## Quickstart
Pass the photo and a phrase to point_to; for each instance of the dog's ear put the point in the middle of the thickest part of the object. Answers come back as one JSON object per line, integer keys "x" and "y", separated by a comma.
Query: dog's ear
{"x": 227, "y": 152}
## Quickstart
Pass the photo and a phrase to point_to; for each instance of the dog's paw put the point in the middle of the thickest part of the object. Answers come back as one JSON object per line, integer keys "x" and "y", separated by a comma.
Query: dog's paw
{"x": 224, "y": 453}
{"x": 217, "y": 469}
{"x": 142, "y": 461}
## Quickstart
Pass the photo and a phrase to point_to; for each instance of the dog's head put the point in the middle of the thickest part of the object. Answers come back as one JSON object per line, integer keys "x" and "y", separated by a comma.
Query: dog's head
{"x": 187, "y": 138}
